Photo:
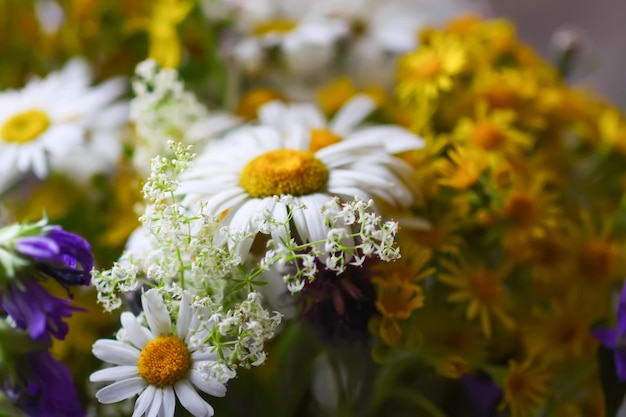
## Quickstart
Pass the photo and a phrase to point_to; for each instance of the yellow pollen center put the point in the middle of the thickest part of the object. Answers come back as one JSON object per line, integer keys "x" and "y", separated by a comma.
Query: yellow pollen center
{"x": 320, "y": 138}
{"x": 164, "y": 361}
{"x": 284, "y": 171}
{"x": 521, "y": 209}
{"x": 274, "y": 26}
{"x": 485, "y": 287}
{"x": 25, "y": 127}
{"x": 488, "y": 135}
{"x": 428, "y": 66}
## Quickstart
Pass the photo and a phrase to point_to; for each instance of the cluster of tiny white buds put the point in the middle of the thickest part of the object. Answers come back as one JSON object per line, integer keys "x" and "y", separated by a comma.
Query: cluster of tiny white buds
{"x": 354, "y": 234}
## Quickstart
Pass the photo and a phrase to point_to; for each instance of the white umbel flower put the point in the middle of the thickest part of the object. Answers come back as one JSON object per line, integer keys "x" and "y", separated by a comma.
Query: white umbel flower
{"x": 161, "y": 363}
{"x": 55, "y": 117}
{"x": 243, "y": 175}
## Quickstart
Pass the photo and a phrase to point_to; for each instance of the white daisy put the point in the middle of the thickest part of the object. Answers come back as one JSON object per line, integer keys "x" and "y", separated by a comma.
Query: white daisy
{"x": 385, "y": 29}
{"x": 301, "y": 30}
{"x": 240, "y": 175}
{"x": 347, "y": 124}
{"x": 160, "y": 363}
{"x": 57, "y": 117}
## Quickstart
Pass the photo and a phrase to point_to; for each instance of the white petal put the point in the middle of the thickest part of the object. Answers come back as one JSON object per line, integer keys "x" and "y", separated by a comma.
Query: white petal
{"x": 169, "y": 402}
{"x": 134, "y": 330}
{"x": 313, "y": 215}
{"x": 184, "y": 317}
{"x": 121, "y": 390}
{"x": 155, "y": 407}
{"x": 280, "y": 213}
{"x": 213, "y": 388}
{"x": 144, "y": 401}
{"x": 226, "y": 199}
{"x": 395, "y": 139}
{"x": 205, "y": 355}
{"x": 272, "y": 114}
{"x": 115, "y": 352}
{"x": 115, "y": 373}
{"x": 156, "y": 313}
{"x": 191, "y": 400}
{"x": 351, "y": 114}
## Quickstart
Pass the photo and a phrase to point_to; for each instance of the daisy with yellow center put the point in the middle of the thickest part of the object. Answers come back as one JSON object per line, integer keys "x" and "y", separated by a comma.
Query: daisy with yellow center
{"x": 525, "y": 389}
{"x": 242, "y": 175}
{"x": 348, "y": 123}
{"x": 483, "y": 290}
{"x": 431, "y": 69}
{"x": 160, "y": 363}
{"x": 300, "y": 31}
{"x": 51, "y": 120}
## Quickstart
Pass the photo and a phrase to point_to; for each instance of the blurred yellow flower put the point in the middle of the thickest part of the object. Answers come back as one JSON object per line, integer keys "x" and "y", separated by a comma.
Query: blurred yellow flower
{"x": 482, "y": 289}
{"x": 423, "y": 74}
{"x": 525, "y": 389}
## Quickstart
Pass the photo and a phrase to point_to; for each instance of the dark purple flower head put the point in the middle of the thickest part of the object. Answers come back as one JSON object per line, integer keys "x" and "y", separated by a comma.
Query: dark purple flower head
{"x": 35, "y": 310}
{"x": 483, "y": 394}
{"x": 63, "y": 256}
{"x": 339, "y": 307}
{"x": 615, "y": 339}
{"x": 46, "y": 388}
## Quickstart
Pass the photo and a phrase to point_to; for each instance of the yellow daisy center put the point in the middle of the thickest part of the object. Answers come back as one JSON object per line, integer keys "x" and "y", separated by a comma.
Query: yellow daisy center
{"x": 485, "y": 286}
{"x": 164, "y": 361}
{"x": 284, "y": 171}
{"x": 25, "y": 127}
{"x": 597, "y": 260}
{"x": 488, "y": 135}
{"x": 320, "y": 138}
{"x": 521, "y": 209}
{"x": 426, "y": 65}
{"x": 274, "y": 26}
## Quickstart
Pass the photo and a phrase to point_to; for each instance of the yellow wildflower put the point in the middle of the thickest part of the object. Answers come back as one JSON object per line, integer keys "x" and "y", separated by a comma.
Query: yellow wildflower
{"x": 493, "y": 131}
{"x": 462, "y": 169}
{"x": 525, "y": 389}
{"x": 423, "y": 74}
{"x": 482, "y": 289}
{"x": 254, "y": 99}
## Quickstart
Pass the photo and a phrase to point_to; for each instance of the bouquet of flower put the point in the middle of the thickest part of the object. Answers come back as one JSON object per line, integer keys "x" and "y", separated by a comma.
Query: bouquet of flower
{"x": 348, "y": 208}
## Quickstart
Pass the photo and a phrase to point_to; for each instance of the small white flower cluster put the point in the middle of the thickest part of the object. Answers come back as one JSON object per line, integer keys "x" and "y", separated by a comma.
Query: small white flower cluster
{"x": 240, "y": 333}
{"x": 162, "y": 110}
{"x": 179, "y": 250}
{"x": 355, "y": 233}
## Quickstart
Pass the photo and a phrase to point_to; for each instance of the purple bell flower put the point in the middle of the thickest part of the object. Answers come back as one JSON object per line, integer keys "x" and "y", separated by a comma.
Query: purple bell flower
{"x": 46, "y": 389}
{"x": 615, "y": 339}
{"x": 60, "y": 255}
{"x": 35, "y": 310}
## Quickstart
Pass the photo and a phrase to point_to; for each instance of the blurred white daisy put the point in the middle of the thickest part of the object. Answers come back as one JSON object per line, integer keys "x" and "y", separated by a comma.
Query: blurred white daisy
{"x": 347, "y": 124}
{"x": 239, "y": 177}
{"x": 61, "y": 121}
{"x": 160, "y": 363}
{"x": 384, "y": 29}
{"x": 300, "y": 29}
